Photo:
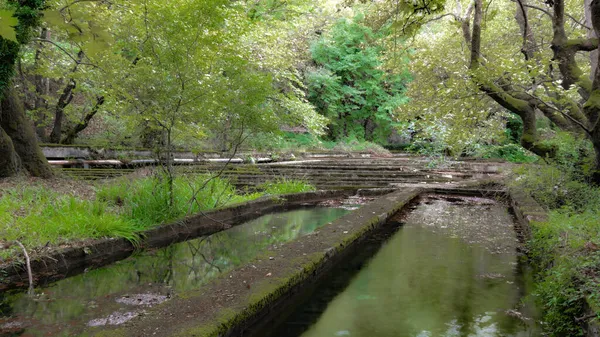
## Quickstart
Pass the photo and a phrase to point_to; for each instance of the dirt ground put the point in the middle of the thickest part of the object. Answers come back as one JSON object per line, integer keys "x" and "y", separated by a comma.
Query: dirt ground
{"x": 80, "y": 188}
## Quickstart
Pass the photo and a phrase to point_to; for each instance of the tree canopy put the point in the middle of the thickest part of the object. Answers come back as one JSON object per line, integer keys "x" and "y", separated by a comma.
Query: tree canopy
{"x": 208, "y": 73}
{"x": 351, "y": 86}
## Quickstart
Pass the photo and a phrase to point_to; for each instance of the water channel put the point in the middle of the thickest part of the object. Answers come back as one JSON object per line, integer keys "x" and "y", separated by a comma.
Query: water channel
{"x": 119, "y": 292}
{"x": 447, "y": 268}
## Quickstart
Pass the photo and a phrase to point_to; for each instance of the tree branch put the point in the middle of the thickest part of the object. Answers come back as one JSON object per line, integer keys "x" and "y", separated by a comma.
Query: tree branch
{"x": 441, "y": 17}
{"x": 30, "y": 291}
{"x": 76, "y": 60}
{"x": 78, "y": 1}
{"x": 71, "y": 134}
{"x": 539, "y": 9}
{"x": 583, "y": 44}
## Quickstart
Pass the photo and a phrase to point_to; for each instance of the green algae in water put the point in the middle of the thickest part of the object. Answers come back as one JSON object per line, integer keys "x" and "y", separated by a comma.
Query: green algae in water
{"x": 125, "y": 288}
{"x": 425, "y": 284}
{"x": 439, "y": 275}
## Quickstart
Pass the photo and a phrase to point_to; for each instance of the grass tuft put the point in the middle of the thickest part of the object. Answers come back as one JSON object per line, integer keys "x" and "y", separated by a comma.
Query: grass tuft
{"x": 147, "y": 201}
{"x": 286, "y": 186}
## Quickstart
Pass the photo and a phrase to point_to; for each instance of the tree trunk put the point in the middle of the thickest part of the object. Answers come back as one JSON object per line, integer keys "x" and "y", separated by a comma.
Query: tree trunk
{"x": 63, "y": 101}
{"x": 75, "y": 130}
{"x": 592, "y": 106}
{"x": 42, "y": 85}
{"x": 596, "y": 142}
{"x": 65, "y": 98}
{"x": 20, "y": 130}
{"x": 591, "y": 35}
{"x": 42, "y": 90}
{"x": 9, "y": 161}
{"x": 529, "y": 46}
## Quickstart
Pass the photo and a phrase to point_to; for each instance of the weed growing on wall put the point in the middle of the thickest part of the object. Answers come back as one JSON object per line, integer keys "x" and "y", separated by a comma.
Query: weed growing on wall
{"x": 286, "y": 186}
{"x": 565, "y": 250}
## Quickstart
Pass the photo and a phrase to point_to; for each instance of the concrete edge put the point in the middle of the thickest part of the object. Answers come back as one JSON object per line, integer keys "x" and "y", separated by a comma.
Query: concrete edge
{"x": 234, "y": 323}
{"x": 255, "y": 307}
{"x": 528, "y": 211}
{"x": 72, "y": 261}
{"x": 269, "y": 295}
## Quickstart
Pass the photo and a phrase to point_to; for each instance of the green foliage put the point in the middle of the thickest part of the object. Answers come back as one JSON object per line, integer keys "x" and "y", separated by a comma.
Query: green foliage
{"x": 291, "y": 142}
{"x": 191, "y": 70}
{"x": 514, "y": 128}
{"x": 509, "y": 152}
{"x": 445, "y": 106}
{"x": 223, "y": 83}
{"x": 351, "y": 87}
{"x": 428, "y": 147}
{"x": 36, "y": 216}
{"x": 146, "y": 201}
{"x": 406, "y": 17}
{"x": 565, "y": 181}
{"x": 7, "y": 25}
{"x": 286, "y": 186}
{"x": 286, "y": 141}
{"x": 564, "y": 250}
{"x": 26, "y": 13}
{"x": 574, "y": 155}
{"x": 353, "y": 144}
{"x": 555, "y": 187}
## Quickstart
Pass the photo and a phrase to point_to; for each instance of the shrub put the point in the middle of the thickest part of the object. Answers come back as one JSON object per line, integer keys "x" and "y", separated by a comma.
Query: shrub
{"x": 554, "y": 187}
{"x": 574, "y": 155}
{"x": 289, "y": 141}
{"x": 509, "y": 152}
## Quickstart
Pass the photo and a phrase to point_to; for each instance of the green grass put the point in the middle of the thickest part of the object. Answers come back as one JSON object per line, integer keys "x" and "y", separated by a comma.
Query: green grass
{"x": 286, "y": 186}
{"x": 565, "y": 253}
{"x": 37, "y": 216}
{"x": 565, "y": 250}
{"x": 147, "y": 201}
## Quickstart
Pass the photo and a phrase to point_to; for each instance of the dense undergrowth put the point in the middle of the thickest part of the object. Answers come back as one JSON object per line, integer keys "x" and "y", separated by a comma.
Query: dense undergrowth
{"x": 38, "y": 216}
{"x": 291, "y": 142}
{"x": 565, "y": 250}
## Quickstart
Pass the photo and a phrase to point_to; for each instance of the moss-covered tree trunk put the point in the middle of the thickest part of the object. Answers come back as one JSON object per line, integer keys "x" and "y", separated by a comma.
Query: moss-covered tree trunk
{"x": 19, "y": 130}
{"x": 503, "y": 93}
{"x": 18, "y": 142}
{"x": 9, "y": 161}
{"x": 592, "y": 106}
{"x": 596, "y": 142}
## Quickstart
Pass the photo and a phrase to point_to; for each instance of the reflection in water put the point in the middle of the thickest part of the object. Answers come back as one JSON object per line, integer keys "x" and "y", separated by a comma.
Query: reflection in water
{"x": 428, "y": 280}
{"x": 126, "y": 287}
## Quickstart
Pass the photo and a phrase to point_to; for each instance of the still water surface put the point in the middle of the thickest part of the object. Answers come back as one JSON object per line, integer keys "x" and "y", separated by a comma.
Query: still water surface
{"x": 121, "y": 291}
{"x": 450, "y": 270}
